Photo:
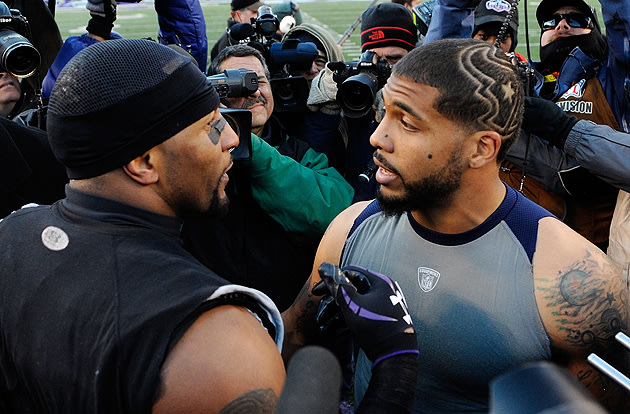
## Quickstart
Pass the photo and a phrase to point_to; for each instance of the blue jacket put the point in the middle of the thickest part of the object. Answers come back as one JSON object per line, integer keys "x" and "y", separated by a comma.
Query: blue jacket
{"x": 72, "y": 46}
{"x": 182, "y": 22}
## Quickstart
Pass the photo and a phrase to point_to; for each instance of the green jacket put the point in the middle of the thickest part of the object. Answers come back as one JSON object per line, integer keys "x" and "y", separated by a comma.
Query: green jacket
{"x": 294, "y": 184}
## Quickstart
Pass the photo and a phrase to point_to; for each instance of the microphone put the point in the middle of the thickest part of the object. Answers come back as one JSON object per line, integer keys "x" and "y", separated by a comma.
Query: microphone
{"x": 241, "y": 31}
{"x": 313, "y": 383}
{"x": 367, "y": 175}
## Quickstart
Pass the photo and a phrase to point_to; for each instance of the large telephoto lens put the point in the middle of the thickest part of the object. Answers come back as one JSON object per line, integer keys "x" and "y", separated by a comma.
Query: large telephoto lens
{"x": 17, "y": 55}
{"x": 356, "y": 94}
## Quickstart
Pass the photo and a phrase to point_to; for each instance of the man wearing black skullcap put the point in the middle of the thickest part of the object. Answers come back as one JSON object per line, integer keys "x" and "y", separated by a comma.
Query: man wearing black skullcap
{"x": 103, "y": 310}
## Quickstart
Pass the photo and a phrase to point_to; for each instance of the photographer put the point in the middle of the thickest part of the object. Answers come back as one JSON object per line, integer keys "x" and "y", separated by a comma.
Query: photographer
{"x": 27, "y": 28}
{"x": 282, "y": 199}
{"x": 327, "y": 51}
{"x": 243, "y": 11}
{"x": 10, "y": 93}
{"x": 387, "y": 30}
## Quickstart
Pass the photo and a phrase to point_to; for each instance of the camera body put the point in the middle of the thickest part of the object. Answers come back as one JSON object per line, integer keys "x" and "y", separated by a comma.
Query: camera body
{"x": 237, "y": 83}
{"x": 240, "y": 120}
{"x": 423, "y": 13}
{"x": 267, "y": 23}
{"x": 290, "y": 93}
{"x": 17, "y": 55}
{"x": 234, "y": 83}
{"x": 358, "y": 82}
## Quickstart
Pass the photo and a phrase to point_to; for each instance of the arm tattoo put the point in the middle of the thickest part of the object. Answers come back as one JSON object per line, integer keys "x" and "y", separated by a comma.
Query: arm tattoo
{"x": 260, "y": 401}
{"x": 589, "y": 302}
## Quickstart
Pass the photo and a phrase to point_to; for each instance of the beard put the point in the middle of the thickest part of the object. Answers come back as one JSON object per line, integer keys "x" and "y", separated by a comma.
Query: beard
{"x": 430, "y": 192}
{"x": 219, "y": 206}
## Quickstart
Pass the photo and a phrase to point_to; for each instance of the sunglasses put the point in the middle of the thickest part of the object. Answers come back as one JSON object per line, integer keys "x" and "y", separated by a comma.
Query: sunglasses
{"x": 573, "y": 19}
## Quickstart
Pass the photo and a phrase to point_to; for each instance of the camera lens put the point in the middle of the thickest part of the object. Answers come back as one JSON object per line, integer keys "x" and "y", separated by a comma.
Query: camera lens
{"x": 357, "y": 94}
{"x": 17, "y": 55}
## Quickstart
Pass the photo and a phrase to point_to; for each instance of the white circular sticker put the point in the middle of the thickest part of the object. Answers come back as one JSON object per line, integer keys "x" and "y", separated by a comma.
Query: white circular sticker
{"x": 54, "y": 238}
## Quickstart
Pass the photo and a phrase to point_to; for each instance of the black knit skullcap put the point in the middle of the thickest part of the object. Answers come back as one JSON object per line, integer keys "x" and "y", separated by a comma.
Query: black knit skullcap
{"x": 119, "y": 98}
{"x": 388, "y": 24}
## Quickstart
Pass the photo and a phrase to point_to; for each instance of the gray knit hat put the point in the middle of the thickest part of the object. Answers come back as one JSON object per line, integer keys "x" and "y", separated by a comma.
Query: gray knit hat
{"x": 119, "y": 98}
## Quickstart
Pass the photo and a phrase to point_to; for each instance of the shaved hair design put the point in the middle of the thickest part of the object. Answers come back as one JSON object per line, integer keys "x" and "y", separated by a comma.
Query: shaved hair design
{"x": 478, "y": 84}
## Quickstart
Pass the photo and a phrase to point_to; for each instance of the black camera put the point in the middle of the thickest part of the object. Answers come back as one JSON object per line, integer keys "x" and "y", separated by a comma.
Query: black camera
{"x": 423, "y": 13}
{"x": 267, "y": 23}
{"x": 240, "y": 120}
{"x": 233, "y": 83}
{"x": 17, "y": 55}
{"x": 290, "y": 93}
{"x": 358, "y": 82}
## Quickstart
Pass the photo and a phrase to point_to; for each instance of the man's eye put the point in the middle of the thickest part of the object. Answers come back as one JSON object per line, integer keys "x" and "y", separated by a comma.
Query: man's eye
{"x": 407, "y": 125}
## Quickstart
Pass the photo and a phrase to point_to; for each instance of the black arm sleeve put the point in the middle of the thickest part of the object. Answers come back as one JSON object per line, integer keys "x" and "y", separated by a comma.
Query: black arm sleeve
{"x": 392, "y": 387}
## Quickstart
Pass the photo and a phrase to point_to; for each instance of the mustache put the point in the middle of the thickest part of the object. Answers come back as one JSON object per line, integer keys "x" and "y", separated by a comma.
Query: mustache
{"x": 383, "y": 161}
{"x": 251, "y": 102}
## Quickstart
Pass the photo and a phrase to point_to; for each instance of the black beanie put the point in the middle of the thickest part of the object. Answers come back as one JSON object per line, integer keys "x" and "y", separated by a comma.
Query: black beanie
{"x": 117, "y": 99}
{"x": 388, "y": 24}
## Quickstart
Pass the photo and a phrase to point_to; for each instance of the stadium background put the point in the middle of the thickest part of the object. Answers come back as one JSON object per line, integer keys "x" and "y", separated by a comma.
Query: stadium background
{"x": 140, "y": 20}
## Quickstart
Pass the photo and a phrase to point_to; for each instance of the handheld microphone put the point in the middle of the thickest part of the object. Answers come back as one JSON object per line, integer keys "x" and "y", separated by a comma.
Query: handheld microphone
{"x": 367, "y": 175}
{"x": 313, "y": 383}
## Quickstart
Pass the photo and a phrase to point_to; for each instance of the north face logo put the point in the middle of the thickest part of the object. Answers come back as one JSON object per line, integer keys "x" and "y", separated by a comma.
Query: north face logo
{"x": 376, "y": 35}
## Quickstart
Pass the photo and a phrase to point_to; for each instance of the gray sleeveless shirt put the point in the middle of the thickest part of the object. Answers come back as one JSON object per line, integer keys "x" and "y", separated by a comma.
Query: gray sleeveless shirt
{"x": 471, "y": 296}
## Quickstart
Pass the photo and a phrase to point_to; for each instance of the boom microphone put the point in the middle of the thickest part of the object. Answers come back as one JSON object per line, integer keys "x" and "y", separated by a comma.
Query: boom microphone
{"x": 241, "y": 31}
{"x": 313, "y": 383}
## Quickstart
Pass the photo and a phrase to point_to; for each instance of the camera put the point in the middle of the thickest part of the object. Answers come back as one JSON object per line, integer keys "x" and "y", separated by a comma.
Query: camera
{"x": 17, "y": 55}
{"x": 423, "y": 13}
{"x": 358, "y": 82}
{"x": 266, "y": 24}
{"x": 290, "y": 93}
{"x": 234, "y": 83}
{"x": 240, "y": 120}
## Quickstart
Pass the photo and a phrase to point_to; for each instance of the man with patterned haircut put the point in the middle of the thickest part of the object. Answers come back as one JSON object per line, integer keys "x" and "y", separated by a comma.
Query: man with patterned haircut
{"x": 492, "y": 280}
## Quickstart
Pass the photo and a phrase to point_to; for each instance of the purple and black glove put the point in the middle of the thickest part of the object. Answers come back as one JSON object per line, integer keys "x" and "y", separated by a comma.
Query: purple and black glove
{"x": 374, "y": 309}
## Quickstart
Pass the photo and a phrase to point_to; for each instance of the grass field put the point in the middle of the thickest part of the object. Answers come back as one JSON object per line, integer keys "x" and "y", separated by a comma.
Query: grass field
{"x": 135, "y": 21}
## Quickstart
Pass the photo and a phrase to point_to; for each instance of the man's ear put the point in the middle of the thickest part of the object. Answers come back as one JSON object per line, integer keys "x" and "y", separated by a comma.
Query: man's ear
{"x": 141, "y": 169}
{"x": 486, "y": 148}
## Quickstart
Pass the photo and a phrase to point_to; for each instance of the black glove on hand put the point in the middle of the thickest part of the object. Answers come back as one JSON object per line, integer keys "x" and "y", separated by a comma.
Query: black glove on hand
{"x": 103, "y": 15}
{"x": 374, "y": 310}
{"x": 547, "y": 120}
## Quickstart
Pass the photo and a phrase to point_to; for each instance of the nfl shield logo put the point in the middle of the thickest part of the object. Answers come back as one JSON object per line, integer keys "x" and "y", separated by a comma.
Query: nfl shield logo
{"x": 427, "y": 278}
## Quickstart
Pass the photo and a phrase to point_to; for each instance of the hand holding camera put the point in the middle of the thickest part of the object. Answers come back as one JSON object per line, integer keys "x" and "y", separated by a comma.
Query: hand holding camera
{"x": 374, "y": 309}
{"x": 323, "y": 94}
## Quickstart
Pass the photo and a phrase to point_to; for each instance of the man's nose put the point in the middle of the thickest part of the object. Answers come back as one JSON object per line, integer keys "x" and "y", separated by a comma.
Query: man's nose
{"x": 563, "y": 25}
